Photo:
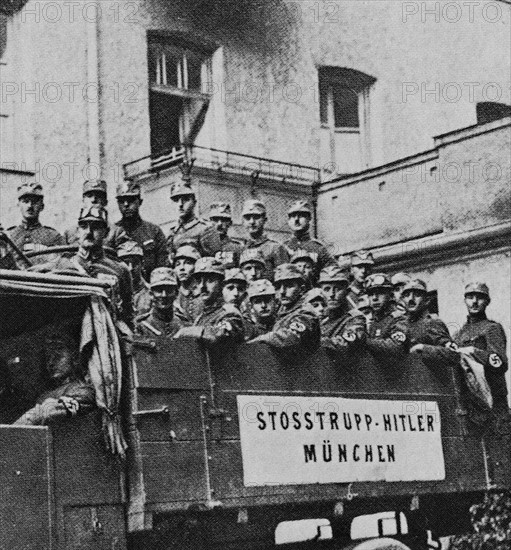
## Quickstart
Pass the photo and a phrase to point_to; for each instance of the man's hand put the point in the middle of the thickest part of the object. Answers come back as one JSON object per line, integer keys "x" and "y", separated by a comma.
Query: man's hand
{"x": 418, "y": 348}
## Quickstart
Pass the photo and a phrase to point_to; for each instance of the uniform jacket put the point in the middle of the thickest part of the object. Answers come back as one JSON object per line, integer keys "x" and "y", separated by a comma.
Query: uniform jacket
{"x": 296, "y": 330}
{"x": 349, "y": 323}
{"x": 354, "y": 292}
{"x": 254, "y": 328}
{"x": 230, "y": 252}
{"x": 142, "y": 298}
{"x": 322, "y": 257}
{"x": 186, "y": 307}
{"x": 489, "y": 340}
{"x": 148, "y": 235}
{"x": 388, "y": 334}
{"x": 273, "y": 253}
{"x": 221, "y": 323}
{"x": 197, "y": 233}
{"x": 35, "y": 237}
{"x": 150, "y": 325}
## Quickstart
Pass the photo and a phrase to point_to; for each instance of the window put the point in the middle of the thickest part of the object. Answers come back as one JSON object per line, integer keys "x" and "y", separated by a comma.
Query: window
{"x": 488, "y": 111}
{"x": 179, "y": 79}
{"x": 344, "y": 117}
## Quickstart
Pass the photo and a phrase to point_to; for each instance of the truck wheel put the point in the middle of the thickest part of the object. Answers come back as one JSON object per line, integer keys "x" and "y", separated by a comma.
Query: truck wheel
{"x": 377, "y": 544}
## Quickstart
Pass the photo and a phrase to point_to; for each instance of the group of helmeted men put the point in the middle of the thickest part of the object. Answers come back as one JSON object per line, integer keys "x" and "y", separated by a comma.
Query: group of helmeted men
{"x": 200, "y": 282}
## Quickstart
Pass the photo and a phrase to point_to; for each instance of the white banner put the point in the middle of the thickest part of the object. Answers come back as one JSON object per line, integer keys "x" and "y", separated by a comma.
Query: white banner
{"x": 289, "y": 440}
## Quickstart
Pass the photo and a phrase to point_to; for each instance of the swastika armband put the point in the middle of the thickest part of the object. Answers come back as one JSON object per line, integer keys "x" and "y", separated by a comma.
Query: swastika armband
{"x": 494, "y": 360}
{"x": 399, "y": 337}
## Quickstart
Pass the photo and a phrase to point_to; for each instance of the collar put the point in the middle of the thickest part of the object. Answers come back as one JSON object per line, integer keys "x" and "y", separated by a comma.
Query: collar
{"x": 90, "y": 257}
{"x": 131, "y": 224}
{"x": 355, "y": 287}
{"x": 192, "y": 222}
{"x": 472, "y": 319}
{"x": 255, "y": 242}
{"x": 160, "y": 318}
{"x": 31, "y": 225}
{"x": 301, "y": 237}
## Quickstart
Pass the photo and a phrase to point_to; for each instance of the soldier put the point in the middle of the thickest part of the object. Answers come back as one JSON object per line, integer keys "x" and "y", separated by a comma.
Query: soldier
{"x": 260, "y": 316}
{"x": 254, "y": 219}
{"x": 160, "y": 320}
{"x": 94, "y": 193}
{"x": 487, "y": 340}
{"x": 388, "y": 335}
{"x": 299, "y": 220}
{"x": 230, "y": 248}
{"x": 132, "y": 227}
{"x": 297, "y": 329}
{"x": 30, "y": 235}
{"x": 318, "y": 301}
{"x": 398, "y": 281}
{"x": 189, "y": 229}
{"x": 306, "y": 263}
{"x": 364, "y": 306}
{"x": 234, "y": 287}
{"x": 90, "y": 260}
{"x": 252, "y": 264}
{"x": 218, "y": 323}
{"x": 334, "y": 283}
{"x": 184, "y": 265}
{"x": 132, "y": 255}
{"x": 361, "y": 266}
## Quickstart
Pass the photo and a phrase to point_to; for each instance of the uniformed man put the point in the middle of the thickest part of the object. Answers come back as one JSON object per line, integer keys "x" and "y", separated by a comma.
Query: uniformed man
{"x": 260, "y": 316}
{"x": 189, "y": 229}
{"x": 299, "y": 220}
{"x": 160, "y": 320}
{"x": 254, "y": 220}
{"x": 94, "y": 193}
{"x": 234, "y": 287}
{"x": 132, "y": 227}
{"x": 427, "y": 334}
{"x": 398, "y": 282}
{"x": 296, "y": 330}
{"x": 318, "y": 301}
{"x": 30, "y": 235}
{"x": 132, "y": 255}
{"x": 361, "y": 264}
{"x": 230, "y": 248}
{"x": 7, "y": 257}
{"x": 90, "y": 260}
{"x": 306, "y": 262}
{"x": 184, "y": 265}
{"x": 487, "y": 340}
{"x": 364, "y": 306}
{"x": 334, "y": 283}
{"x": 252, "y": 264}
{"x": 388, "y": 335}
{"x": 218, "y": 323}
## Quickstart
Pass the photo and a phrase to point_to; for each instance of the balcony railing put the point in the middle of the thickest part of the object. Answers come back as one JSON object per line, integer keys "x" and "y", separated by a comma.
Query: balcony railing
{"x": 224, "y": 162}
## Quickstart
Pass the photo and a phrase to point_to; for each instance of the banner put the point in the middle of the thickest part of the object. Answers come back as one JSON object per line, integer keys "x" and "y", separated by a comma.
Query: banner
{"x": 289, "y": 440}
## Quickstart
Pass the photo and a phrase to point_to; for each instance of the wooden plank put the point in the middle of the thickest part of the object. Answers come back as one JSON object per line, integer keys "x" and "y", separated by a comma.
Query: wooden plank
{"x": 173, "y": 364}
{"x": 26, "y": 507}
{"x": 174, "y": 472}
{"x": 85, "y": 473}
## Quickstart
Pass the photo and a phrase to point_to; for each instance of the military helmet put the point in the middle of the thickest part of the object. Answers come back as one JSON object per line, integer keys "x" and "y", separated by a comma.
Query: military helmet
{"x": 361, "y": 257}
{"x": 300, "y": 206}
{"x": 163, "y": 276}
{"x": 93, "y": 214}
{"x": 261, "y": 287}
{"x": 253, "y": 206}
{"x": 181, "y": 189}
{"x": 302, "y": 254}
{"x": 98, "y": 186}
{"x": 220, "y": 210}
{"x": 378, "y": 281}
{"x": 332, "y": 274}
{"x": 415, "y": 284}
{"x": 208, "y": 264}
{"x": 129, "y": 248}
{"x": 288, "y": 272}
{"x": 30, "y": 190}
{"x": 400, "y": 278}
{"x": 252, "y": 255}
{"x": 315, "y": 294}
{"x": 477, "y": 288}
{"x": 235, "y": 275}
{"x": 187, "y": 251}
{"x": 128, "y": 188}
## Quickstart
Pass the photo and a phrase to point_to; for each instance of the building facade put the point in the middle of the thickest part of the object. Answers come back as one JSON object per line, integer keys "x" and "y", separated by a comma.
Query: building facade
{"x": 391, "y": 114}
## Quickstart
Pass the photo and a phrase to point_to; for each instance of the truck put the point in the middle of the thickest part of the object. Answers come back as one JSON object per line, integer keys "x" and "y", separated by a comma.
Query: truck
{"x": 236, "y": 448}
